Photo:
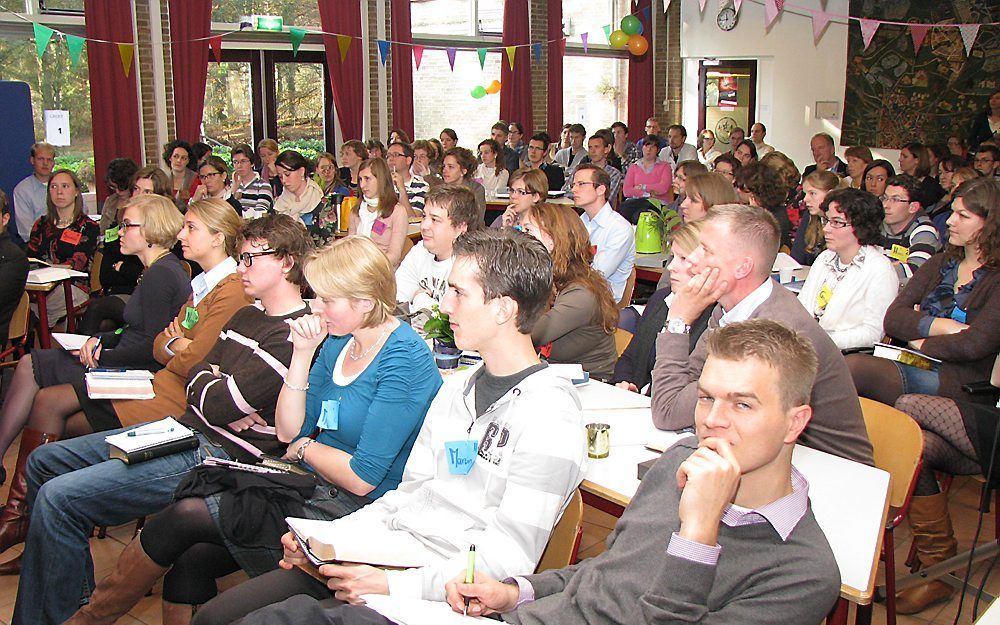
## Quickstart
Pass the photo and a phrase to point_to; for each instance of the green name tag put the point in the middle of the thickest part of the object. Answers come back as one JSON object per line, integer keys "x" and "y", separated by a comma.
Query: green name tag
{"x": 111, "y": 235}
{"x": 190, "y": 317}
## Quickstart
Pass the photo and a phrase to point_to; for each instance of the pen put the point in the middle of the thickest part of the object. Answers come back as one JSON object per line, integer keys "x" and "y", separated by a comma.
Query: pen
{"x": 97, "y": 346}
{"x": 470, "y": 575}
{"x": 151, "y": 431}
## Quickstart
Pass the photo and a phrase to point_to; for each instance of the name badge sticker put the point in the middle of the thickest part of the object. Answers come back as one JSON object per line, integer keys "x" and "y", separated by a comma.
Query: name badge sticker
{"x": 111, "y": 235}
{"x": 823, "y": 297}
{"x": 958, "y": 315}
{"x": 71, "y": 236}
{"x": 329, "y": 415}
{"x": 190, "y": 318}
{"x": 378, "y": 227}
{"x": 461, "y": 456}
{"x": 900, "y": 253}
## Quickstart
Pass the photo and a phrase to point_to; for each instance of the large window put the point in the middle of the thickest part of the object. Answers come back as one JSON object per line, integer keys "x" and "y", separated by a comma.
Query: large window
{"x": 228, "y": 104}
{"x": 581, "y": 16}
{"x": 293, "y": 12}
{"x": 595, "y": 91}
{"x": 465, "y": 18}
{"x": 442, "y": 98}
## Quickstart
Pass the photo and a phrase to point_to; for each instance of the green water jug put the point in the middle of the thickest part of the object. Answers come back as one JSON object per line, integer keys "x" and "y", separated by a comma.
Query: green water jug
{"x": 647, "y": 234}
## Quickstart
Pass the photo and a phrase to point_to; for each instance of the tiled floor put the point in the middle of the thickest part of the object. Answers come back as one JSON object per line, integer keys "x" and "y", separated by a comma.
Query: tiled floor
{"x": 597, "y": 525}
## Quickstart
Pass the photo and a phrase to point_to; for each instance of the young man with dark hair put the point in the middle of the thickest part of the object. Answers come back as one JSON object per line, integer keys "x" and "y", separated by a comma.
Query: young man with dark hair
{"x": 510, "y": 159}
{"x": 677, "y": 150}
{"x": 570, "y": 158}
{"x": 411, "y": 188}
{"x": 598, "y": 150}
{"x": 611, "y": 235}
{"x": 422, "y": 277}
{"x": 652, "y": 128}
{"x": 231, "y": 398}
{"x": 515, "y": 139}
{"x": 909, "y": 237}
{"x": 538, "y": 147}
{"x": 987, "y": 160}
{"x": 514, "y": 422}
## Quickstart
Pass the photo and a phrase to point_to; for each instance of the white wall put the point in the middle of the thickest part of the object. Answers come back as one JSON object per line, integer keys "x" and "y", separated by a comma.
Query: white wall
{"x": 793, "y": 73}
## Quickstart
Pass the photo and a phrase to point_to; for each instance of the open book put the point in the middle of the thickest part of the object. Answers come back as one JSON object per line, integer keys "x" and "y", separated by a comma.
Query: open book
{"x": 120, "y": 384}
{"x": 906, "y": 356}
{"x": 152, "y": 440}
{"x": 324, "y": 543}
{"x": 46, "y": 275}
{"x": 410, "y": 611}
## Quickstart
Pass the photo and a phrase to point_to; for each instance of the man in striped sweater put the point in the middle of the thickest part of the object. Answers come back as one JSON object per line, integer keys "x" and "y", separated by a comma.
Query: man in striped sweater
{"x": 908, "y": 234}
{"x": 73, "y": 486}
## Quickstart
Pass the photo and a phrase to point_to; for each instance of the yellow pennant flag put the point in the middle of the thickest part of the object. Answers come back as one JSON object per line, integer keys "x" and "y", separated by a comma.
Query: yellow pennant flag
{"x": 344, "y": 43}
{"x": 510, "y": 56}
{"x": 126, "y": 50}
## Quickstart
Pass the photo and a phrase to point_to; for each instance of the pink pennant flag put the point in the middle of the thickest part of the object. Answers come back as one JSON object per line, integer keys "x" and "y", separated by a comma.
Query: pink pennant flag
{"x": 770, "y": 12}
{"x": 666, "y": 5}
{"x": 418, "y": 54}
{"x": 737, "y": 4}
{"x": 969, "y": 33}
{"x": 820, "y": 20}
{"x": 918, "y": 32}
{"x": 868, "y": 28}
{"x": 451, "y": 58}
{"x": 583, "y": 39}
{"x": 702, "y": 4}
{"x": 780, "y": 5}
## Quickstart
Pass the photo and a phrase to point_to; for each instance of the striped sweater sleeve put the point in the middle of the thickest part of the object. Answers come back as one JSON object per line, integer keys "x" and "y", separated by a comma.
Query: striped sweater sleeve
{"x": 924, "y": 243}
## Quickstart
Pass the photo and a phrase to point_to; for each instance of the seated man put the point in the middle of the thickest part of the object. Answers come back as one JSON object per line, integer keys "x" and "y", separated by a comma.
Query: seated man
{"x": 733, "y": 268}
{"x": 422, "y": 277}
{"x": 908, "y": 234}
{"x": 598, "y": 150}
{"x": 538, "y": 147}
{"x": 569, "y": 158}
{"x": 73, "y": 486}
{"x": 611, "y": 236}
{"x": 719, "y": 531}
{"x": 509, "y": 158}
{"x": 987, "y": 160}
{"x": 410, "y": 188}
{"x": 531, "y": 448}
{"x": 678, "y": 150}
{"x": 824, "y": 151}
{"x": 31, "y": 194}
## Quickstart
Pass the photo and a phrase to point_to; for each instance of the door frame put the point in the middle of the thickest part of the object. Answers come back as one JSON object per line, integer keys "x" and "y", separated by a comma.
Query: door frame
{"x": 748, "y": 65}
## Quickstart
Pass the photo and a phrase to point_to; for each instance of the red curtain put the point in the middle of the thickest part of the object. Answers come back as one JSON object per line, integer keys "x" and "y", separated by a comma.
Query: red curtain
{"x": 402, "y": 65}
{"x": 557, "y": 47}
{"x": 346, "y": 78}
{"x": 640, "y": 75}
{"x": 190, "y": 27}
{"x": 114, "y": 103}
{"x": 515, "y": 96}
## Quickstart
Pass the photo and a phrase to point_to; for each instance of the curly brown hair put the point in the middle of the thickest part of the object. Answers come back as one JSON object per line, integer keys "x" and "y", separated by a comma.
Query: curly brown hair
{"x": 981, "y": 196}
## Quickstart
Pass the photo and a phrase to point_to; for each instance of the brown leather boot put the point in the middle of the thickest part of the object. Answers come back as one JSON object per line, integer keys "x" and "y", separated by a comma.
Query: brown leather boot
{"x": 14, "y": 519}
{"x": 935, "y": 542}
{"x": 177, "y": 613}
{"x": 118, "y": 593}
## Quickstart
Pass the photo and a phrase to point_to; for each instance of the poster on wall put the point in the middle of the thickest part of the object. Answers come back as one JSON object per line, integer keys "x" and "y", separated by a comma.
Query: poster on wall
{"x": 894, "y": 96}
{"x": 57, "y": 127}
{"x": 727, "y": 92}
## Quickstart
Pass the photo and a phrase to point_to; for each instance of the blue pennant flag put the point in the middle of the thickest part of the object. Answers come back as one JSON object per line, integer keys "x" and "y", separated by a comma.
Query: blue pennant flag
{"x": 383, "y": 50}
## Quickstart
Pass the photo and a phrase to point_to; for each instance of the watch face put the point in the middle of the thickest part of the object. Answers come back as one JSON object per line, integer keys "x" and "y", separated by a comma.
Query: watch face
{"x": 727, "y": 19}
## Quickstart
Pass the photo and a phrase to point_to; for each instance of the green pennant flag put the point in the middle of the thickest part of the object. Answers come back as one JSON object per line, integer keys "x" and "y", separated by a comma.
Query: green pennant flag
{"x": 43, "y": 34}
{"x": 482, "y": 57}
{"x": 607, "y": 32}
{"x": 296, "y": 35}
{"x": 75, "y": 45}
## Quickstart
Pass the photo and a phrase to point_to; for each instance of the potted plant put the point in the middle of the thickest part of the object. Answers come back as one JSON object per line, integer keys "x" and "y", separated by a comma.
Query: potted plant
{"x": 438, "y": 327}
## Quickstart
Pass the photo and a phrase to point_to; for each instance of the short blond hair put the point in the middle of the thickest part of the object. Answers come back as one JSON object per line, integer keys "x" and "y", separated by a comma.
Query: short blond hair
{"x": 354, "y": 267}
{"x": 220, "y": 217}
{"x": 161, "y": 221}
{"x": 753, "y": 229}
{"x": 688, "y": 236}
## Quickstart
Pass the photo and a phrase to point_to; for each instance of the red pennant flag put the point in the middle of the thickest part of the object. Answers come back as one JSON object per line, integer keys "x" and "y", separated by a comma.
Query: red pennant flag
{"x": 868, "y": 28}
{"x": 918, "y": 32}
{"x": 418, "y": 55}
{"x": 215, "y": 43}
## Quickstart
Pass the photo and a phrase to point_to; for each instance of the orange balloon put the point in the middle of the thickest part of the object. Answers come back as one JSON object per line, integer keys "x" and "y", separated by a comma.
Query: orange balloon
{"x": 494, "y": 87}
{"x": 637, "y": 45}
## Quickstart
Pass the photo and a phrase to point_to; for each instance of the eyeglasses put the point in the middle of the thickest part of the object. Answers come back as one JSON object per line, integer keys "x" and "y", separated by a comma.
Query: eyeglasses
{"x": 241, "y": 161}
{"x": 577, "y": 183}
{"x": 211, "y": 175}
{"x": 247, "y": 257}
{"x": 896, "y": 199}
{"x": 536, "y": 147}
{"x": 522, "y": 192}
{"x": 128, "y": 224}
{"x": 394, "y": 154}
{"x": 834, "y": 223}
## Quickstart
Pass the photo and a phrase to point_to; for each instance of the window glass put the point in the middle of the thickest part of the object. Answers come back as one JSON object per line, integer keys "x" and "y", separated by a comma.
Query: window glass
{"x": 228, "y": 106}
{"x": 443, "y": 17}
{"x": 582, "y": 16}
{"x": 603, "y": 98}
{"x": 438, "y": 93}
{"x": 75, "y": 6}
{"x": 293, "y": 12}
{"x": 490, "y": 16}
{"x": 14, "y": 6}
{"x": 299, "y": 96}
{"x": 55, "y": 86}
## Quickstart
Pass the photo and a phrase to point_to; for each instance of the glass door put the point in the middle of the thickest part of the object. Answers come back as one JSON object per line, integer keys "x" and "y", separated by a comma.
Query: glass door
{"x": 727, "y": 91}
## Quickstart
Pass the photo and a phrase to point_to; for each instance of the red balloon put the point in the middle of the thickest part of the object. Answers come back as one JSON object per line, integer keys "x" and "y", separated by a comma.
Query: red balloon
{"x": 637, "y": 45}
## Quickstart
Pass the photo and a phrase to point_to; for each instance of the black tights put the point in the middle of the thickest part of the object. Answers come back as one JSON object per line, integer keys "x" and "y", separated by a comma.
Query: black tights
{"x": 947, "y": 446}
{"x": 875, "y": 378}
{"x": 103, "y": 314}
{"x": 185, "y": 538}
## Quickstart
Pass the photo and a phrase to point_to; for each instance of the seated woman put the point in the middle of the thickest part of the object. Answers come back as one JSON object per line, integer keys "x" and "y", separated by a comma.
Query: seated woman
{"x": 952, "y": 175}
{"x": 703, "y": 191}
{"x": 646, "y": 178}
{"x": 528, "y": 188}
{"x": 328, "y": 175}
{"x": 858, "y": 157}
{"x": 254, "y": 194}
{"x": 708, "y": 151}
{"x": 633, "y": 371}
{"x": 376, "y": 149}
{"x": 64, "y": 236}
{"x": 324, "y": 218}
{"x": 300, "y": 195}
{"x": 950, "y": 308}
{"x": 746, "y": 152}
{"x": 267, "y": 152}
{"x": 852, "y": 282}
{"x": 809, "y": 240}
{"x": 727, "y": 165}
{"x": 214, "y": 175}
{"x": 877, "y": 174}
{"x": 379, "y": 216}
{"x": 458, "y": 166}
{"x": 119, "y": 183}
{"x": 352, "y": 154}
{"x": 915, "y": 160}
{"x": 178, "y": 157}
{"x": 759, "y": 185}
{"x": 366, "y": 395}
{"x": 490, "y": 172}
{"x": 580, "y": 326}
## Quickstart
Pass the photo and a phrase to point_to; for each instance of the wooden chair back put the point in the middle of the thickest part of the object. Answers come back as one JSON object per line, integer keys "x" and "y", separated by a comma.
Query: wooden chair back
{"x": 95, "y": 272}
{"x": 622, "y": 339}
{"x": 407, "y": 246}
{"x": 564, "y": 542}
{"x": 629, "y": 288}
{"x": 897, "y": 444}
{"x": 18, "y": 328}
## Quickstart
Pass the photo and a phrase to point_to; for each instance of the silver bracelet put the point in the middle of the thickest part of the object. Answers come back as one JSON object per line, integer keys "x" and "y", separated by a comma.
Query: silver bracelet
{"x": 300, "y": 453}
{"x": 296, "y": 388}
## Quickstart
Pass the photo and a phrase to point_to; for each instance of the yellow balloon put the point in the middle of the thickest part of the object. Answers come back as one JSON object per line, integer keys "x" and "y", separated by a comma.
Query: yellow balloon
{"x": 619, "y": 39}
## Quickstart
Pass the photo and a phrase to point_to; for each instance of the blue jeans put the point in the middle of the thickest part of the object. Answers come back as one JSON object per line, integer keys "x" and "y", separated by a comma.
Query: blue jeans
{"x": 73, "y": 486}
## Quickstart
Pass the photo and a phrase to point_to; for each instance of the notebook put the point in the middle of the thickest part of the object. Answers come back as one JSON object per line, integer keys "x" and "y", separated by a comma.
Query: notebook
{"x": 153, "y": 440}
{"x": 46, "y": 275}
{"x": 906, "y": 356}
{"x": 354, "y": 546}
{"x": 119, "y": 384}
{"x": 70, "y": 342}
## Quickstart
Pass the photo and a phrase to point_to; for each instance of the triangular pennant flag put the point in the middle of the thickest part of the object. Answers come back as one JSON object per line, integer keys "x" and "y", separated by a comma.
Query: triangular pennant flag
{"x": 482, "y": 57}
{"x": 215, "y": 43}
{"x": 969, "y": 33}
{"x": 296, "y": 35}
{"x": 43, "y": 34}
{"x": 344, "y": 44}
{"x": 451, "y": 58}
{"x": 383, "y": 50}
{"x": 583, "y": 39}
{"x": 666, "y": 5}
{"x": 511, "y": 51}
{"x": 125, "y": 51}
{"x": 780, "y": 5}
{"x": 645, "y": 13}
{"x": 868, "y": 28}
{"x": 536, "y": 50}
{"x": 75, "y": 45}
{"x": 918, "y": 32}
{"x": 418, "y": 55}
{"x": 737, "y": 4}
{"x": 820, "y": 20}
{"x": 607, "y": 32}
{"x": 702, "y": 3}
{"x": 770, "y": 12}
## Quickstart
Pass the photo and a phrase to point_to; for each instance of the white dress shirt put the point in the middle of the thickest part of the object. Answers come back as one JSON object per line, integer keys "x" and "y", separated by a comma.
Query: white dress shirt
{"x": 614, "y": 239}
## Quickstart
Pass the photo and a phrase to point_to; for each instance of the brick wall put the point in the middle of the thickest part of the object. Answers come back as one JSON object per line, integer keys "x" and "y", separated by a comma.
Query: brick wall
{"x": 675, "y": 69}
{"x": 538, "y": 17}
{"x": 148, "y": 80}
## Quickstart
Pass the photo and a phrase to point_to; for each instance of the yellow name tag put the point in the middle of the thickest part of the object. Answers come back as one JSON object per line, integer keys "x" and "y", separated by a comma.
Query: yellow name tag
{"x": 823, "y": 297}
{"x": 900, "y": 253}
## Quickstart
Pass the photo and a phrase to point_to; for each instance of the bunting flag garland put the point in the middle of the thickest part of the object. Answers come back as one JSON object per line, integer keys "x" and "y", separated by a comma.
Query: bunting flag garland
{"x": 75, "y": 45}
{"x": 451, "y": 58}
{"x": 215, "y": 43}
{"x": 511, "y": 51}
{"x": 666, "y": 6}
{"x": 736, "y": 5}
{"x": 607, "y": 32}
{"x": 820, "y": 21}
{"x": 43, "y": 34}
{"x": 536, "y": 50}
{"x": 868, "y": 28}
{"x": 296, "y": 35}
{"x": 969, "y": 33}
{"x": 702, "y": 3}
{"x": 482, "y": 58}
{"x": 125, "y": 51}
{"x": 383, "y": 50}
{"x": 344, "y": 44}
{"x": 771, "y": 11}
{"x": 918, "y": 32}
{"x": 418, "y": 55}
{"x": 645, "y": 13}
{"x": 583, "y": 40}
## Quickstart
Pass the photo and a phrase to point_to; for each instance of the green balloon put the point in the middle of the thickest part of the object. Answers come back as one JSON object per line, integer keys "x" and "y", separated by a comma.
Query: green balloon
{"x": 619, "y": 39}
{"x": 478, "y": 92}
{"x": 631, "y": 25}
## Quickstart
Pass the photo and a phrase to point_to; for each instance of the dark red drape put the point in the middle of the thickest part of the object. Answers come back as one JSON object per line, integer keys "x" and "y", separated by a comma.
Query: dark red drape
{"x": 640, "y": 75}
{"x": 190, "y": 27}
{"x": 114, "y": 99}
{"x": 515, "y": 96}
{"x": 402, "y": 65}
{"x": 346, "y": 78}
{"x": 556, "y": 47}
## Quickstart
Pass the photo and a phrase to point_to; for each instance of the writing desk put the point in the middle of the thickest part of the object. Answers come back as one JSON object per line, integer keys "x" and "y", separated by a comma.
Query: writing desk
{"x": 38, "y": 293}
{"x": 649, "y": 267}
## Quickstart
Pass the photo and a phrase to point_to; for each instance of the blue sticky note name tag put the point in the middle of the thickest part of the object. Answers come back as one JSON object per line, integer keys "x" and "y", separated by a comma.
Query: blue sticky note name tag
{"x": 329, "y": 415}
{"x": 461, "y": 456}
{"x": 958, "y": 315}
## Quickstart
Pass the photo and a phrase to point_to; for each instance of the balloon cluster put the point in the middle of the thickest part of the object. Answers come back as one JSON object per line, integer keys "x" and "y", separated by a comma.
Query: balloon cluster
{"x": 480, "y": 91}
{"x": 630, "y": 36}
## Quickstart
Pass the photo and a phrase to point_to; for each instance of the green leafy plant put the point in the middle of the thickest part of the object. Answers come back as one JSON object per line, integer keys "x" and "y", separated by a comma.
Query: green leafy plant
{"x": 439, "y": 327}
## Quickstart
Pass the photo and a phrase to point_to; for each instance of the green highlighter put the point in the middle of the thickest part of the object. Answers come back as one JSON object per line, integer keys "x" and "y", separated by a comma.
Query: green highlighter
{"x": 470, "y": 575}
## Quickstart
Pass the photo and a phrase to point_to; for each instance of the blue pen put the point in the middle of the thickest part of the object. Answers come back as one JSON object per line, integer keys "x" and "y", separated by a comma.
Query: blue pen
{"x": 97, "y": 346}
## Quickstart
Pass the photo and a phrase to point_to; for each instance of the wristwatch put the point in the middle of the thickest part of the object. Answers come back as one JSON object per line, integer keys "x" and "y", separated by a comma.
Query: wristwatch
{"x": 677, "y": 326}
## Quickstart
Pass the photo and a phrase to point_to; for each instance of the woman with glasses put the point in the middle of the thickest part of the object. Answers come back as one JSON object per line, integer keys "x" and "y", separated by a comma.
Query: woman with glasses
{"x": 328, "y": 175}
{"x": 379, "y": 216}
{"x": 490, "y": 172}
{"x": 301, "y": 196}
{"x": 214, "y": 176}
{"x": 852, "y": 282}
{"x": 528, "y": 188}
{"x": 255, "y": 195}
